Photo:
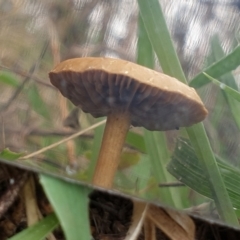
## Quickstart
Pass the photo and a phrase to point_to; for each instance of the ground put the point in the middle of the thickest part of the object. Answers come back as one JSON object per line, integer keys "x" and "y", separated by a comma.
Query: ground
{"x": 110, "y": 215}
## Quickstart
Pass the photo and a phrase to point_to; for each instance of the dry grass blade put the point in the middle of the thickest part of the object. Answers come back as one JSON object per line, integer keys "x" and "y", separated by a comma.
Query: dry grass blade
{"x": 139, "y": 213}
{"x": 169, "y": 224}
{"x": 26, "y": 80}
{"x": 10, "y": 196}
{"x": 184, "y": 221}
{"x": 63, "y": 141}
{"x": 149, "y": 230}
{"x": 32, "y": 212}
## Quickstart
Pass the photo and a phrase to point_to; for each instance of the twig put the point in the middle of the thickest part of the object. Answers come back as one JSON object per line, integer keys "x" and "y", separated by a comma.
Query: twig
{"x": 140, "y": 210}
{"x": 173, "y": 224}
{"x": 172, "y": 184}
{"x": 63, "y": 141}
{"x": 149, "y": 230}
{"x": 57, "y": 133}
{"x": 3, "y": 134}
{"x": 32, "y": 212}
{"x": 44, "y": 133}
{"x": 10, "y": 196}
{"x": 26, "y": 80}
{"x": 22, "y": 73}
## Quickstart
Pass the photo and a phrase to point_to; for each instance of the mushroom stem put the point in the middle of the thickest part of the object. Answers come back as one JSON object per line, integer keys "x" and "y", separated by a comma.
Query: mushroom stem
{"x": 115, "y": 132}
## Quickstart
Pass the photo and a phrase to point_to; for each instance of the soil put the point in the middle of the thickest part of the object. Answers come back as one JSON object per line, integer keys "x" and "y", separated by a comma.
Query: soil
{"x": 110, "y": 215}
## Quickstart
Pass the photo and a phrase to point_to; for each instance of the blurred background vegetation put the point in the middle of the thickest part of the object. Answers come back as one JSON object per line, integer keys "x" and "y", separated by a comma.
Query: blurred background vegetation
{"x": 36, "y": 35}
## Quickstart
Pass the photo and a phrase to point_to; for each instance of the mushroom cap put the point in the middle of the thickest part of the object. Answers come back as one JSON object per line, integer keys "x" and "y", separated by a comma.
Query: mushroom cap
{"x": 102, "y": 85}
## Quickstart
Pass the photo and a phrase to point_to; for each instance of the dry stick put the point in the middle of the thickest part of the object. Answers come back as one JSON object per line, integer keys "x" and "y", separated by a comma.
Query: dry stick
{"x": 168, "y": 225}
{"x": 24, "y": 74}
{"x": 45, "y": 133}
{"x": 172, "y": 184}
{"x": 183, "y": 220}
{"x": 32, "y": 212}
{"x": 70, "y": 144}
{"x": 63, "y": 141}
{"x": 139, "y": 212}
{"x": 149, "y": 230}
{"x": 55, "y": 47}
{"x": 10, "y": 196}
{"x": 26, "y": 80}
{"x": 3, "y": 134}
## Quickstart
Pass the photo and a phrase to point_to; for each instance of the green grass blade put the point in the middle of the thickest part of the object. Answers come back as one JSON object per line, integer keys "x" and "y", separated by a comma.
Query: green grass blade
{"x": 225, "y": 105}
{"x": 145, "y": 54}
{"x": 38, "y": 231}
{"x": 186, "y": 166}
{"x": 9, "y": 155}
{"x": 234, "y": 106}
{"x": 155, "y": 142}
{"x": 97, "y": 140}
{"x": 219, "y": 54}
{"x": 136, "y": 140}
{"x": 221, "y": 67}
{"x": 220, "y": 195}
{"x": 227, "y": 79}
{"x": 228, "y": 90}
{"x": 8, "y": 79}
{"x": 159, "y": 155}
{"x": 36, "y": 101}
{"x": 70, "y": 202}
{"x": 160, "y": 39}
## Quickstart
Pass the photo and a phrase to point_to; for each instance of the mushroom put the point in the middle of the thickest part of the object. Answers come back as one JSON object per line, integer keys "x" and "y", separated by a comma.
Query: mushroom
{"x": 128, "y": 94}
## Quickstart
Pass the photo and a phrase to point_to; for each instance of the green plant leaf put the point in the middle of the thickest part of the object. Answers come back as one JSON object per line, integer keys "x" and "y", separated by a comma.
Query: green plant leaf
{"x": 9, "y": 79}
{"x": 70, "y": 202}
{"x": 162, "y": 44}
{"x": 159, "y": 36}
{"x": 186, "y": 167}
{"x": 218, "y": 69}
{"x": 128, "y": 159}
{"x": 155, "y": 141}
{"x": 36, "y": 101}
{"x": 228, "y": 90}
{"x": 38, "y": 231}
{"x": 136, "y": 140}
{"x": 227, "y": 79}
{"x": 97, "y": 141}
{"x": 9, "y": 155}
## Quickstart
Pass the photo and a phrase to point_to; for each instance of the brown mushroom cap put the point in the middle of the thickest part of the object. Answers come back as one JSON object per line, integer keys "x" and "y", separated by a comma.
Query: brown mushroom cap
{"x": 155, "y": 101}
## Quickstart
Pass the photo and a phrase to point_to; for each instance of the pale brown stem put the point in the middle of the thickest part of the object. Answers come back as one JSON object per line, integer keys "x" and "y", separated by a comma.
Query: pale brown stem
{"x": 113, "y": 140}
{"x": 32, "y": 212}
{"x": 149, "y": 229}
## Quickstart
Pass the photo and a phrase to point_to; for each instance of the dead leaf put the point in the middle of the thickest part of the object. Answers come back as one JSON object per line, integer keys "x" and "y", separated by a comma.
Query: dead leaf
{"x": 149, "y": 230}
{"x": 175, "y": 225}
{"x": 139, "y": 213}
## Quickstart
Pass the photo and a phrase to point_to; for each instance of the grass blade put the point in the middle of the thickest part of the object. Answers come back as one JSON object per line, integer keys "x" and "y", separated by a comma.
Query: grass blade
{"x": 8, "y": 79}
{"x": 36, "y": 101}
{"x": 155, "y": 25}
{"x": 186, "y": 166}
{"x": 9, "y": 155}
{"x": 228, "y": 90}
{"x": 221, "y": 67}
{"x": 70, "y": 202}
{"x": 155, "y": 141}
{"x": 97, "y": 140}
{"x": 136, "y": 140}
{"x": 159, "y": 36}
{"x": 38, "y": 231}
{"x": 220, "y": 195}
